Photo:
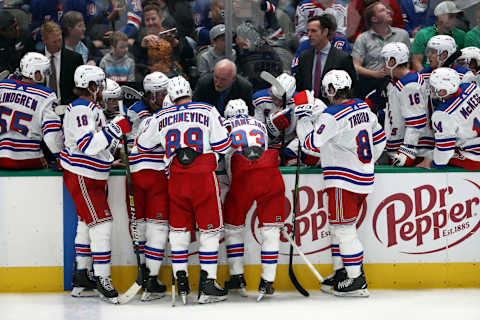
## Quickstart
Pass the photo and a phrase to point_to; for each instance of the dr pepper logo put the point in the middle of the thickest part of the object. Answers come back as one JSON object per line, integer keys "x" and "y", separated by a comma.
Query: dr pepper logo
{"x": 428, "y": 219}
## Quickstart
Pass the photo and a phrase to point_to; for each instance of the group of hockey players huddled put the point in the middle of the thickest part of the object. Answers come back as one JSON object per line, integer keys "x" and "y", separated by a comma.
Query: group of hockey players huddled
{"x": 175, "y": 145}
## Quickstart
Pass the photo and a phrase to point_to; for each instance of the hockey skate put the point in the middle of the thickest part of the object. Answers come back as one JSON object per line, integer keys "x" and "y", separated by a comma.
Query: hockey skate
{"x": 153, "y": 289}
{"x": 183, "y": 286}
{"x": 83, "y": 285}
{"x": 210, "y": 291}
{"x": 237, "y": 283}
{"x": 352, "y": 287}
{"x": 265, "y": 289}
{"x": 331, "y": 280}
{"x": 106, "y": 290}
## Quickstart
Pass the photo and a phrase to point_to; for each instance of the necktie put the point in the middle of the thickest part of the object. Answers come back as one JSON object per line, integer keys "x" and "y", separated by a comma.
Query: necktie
{"x": 317, "y": 84}
{"x": 53, "y": 75}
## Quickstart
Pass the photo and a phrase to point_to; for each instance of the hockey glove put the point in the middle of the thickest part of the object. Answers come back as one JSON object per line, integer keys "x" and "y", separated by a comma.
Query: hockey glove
{"x": 405, "y": 157}
{"x": 278, "y": 121}
{"x": 118, "y": 126}
{"x": 305, "y": 110}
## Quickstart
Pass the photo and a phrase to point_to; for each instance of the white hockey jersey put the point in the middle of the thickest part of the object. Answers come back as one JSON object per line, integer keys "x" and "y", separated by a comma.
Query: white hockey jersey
{"x": 26, "y": 116}
{"x": 87, "y": 146}
{"x": 457, "y": 126}
{"x": 407, "y": 116}
{"x": 264, "y": 108}
{"x": 309, "y": 8}
{"x": 193, "y": 125}
{"x": 349, "y": 140}
{"x": 136, "y": 114}
{"x": 146, "y": 160}
{"x": 247, "y": 131}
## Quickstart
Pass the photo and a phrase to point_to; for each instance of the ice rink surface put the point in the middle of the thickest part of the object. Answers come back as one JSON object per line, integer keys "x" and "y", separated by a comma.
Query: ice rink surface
{"x": 455, "y": 304}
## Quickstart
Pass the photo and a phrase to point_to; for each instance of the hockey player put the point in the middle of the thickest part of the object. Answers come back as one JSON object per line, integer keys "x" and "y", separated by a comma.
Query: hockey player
{"x": 309, "y": 8}
{"x": 86, "y": 161}
{"x": 470, "y": 59}
{"x": 269, "y": 109}
{"x": 111, "y": 94}
{"x": 27, "y": 116}
{"x": 192, "y": 135}
{"x": 456, "y": 121}
{"x": 350, "y": 140}
{"x": 150, "y": 190}
{"x": 407, "y": 125}
{"x": 251, "y": 165}
{"x": 439, "y": 49}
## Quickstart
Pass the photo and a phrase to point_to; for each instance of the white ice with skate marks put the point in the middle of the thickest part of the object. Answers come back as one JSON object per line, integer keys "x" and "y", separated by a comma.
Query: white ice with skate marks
{"x": 383, "y": 304}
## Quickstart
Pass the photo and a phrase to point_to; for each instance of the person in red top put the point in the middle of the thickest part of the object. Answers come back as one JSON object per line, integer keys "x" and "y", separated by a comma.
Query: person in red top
{"x": 356, "y": 20}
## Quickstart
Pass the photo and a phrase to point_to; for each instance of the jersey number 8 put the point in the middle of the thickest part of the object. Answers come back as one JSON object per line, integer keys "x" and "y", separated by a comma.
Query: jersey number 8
{"x": 364, "y": 150}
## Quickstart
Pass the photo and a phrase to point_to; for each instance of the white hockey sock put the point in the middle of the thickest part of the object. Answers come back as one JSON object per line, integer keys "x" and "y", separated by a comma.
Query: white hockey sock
{"x": 100, "y": 235}
{"x": 270, "y": 245}
{"x": 208, "y": 252}
{"x": 235, "y": 248}
{"x": 141, "y": 231}
{"x": 335, "y": 249}
{"x": 83, "y": 253}
{"x": 179, "y": 241}
{"x": 351, "y": 249}
{"x": 156, "y": 235}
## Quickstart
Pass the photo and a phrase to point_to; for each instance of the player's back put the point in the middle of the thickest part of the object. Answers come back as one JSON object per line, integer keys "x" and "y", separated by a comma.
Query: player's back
{"x": 192, "y": 126}
{"x": 461, "y": 112}
{"x": 348, "y": 157}
{"x": 24, "y": 119}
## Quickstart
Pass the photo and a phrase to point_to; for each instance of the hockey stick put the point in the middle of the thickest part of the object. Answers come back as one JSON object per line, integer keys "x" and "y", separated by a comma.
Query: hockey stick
{"x": 4, "y": 74}
{"x": 450, "y": 60}
{"x": 130, "y": 91}
{"x": 173, "y": 289}
{"x": 310, "y": 265}
{"x": 137, "y": 285}
{"x": 267, "y": 76}
{"x": 291, "y": 274}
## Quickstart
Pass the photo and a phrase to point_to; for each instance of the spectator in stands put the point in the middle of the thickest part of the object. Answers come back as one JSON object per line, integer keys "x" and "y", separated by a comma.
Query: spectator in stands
{"x": 222, "y": 86}
{"x": 207, "y": 60}
{"x": 446, "y": 14}
{"x": 43, "y": 11}
{"x": 414, "y": 13}
{"x": 472, "y": 38}
{"x": 73, "y": 29}
{"x": 356, "y": 23}
{"x": 315, "y": 62}
{"x": 13, "y": 42}
{"x": 254, "y": 56}
{"x": 64, "y": 62}
{"x": 368, "y": 46}
{"x": 160, "y": 58}
{"x": 117, "y": 65}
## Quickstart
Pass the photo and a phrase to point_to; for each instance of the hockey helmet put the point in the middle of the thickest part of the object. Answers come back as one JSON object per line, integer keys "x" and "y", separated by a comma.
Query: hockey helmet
{"x": 440, "y": 44}
{"x": 85, "y": 74}
{"x": 444, "y": 79}
{"x": 33, "y": 62}
{"x": 338, "y": 79}
{"x": 112, "y": 90}
{"x": 396, "y": 50}
{"x": 289, "y": 85}
{"x": 178, "y": 87}
{"x": 155, "y": 81}
{"x": 469, "y": 54}
{"x": 235, "y": 108}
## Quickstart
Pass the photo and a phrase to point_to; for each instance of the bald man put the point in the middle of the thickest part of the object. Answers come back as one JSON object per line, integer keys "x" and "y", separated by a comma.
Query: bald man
{"x": 222, "y": 86}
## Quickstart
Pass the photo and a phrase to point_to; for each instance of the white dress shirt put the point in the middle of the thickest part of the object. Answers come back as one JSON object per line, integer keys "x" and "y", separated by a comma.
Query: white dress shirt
{"x": 56, "y": 59}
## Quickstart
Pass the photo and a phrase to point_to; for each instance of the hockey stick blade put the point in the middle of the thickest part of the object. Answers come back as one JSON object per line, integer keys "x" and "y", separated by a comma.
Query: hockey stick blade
{"x": 132, "y": 92}
{"x": 267, "y": 76}
{"x": 4, "y": 74}
{"x": 309, "y": 264}
{"x": 130, "y": 293}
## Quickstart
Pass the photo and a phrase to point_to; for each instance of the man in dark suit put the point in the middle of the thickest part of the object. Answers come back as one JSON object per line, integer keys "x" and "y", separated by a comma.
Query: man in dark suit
{"x": 222, "y": 86}
{"x": 64, "y": 62}
{"x": 314, "y": 63}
